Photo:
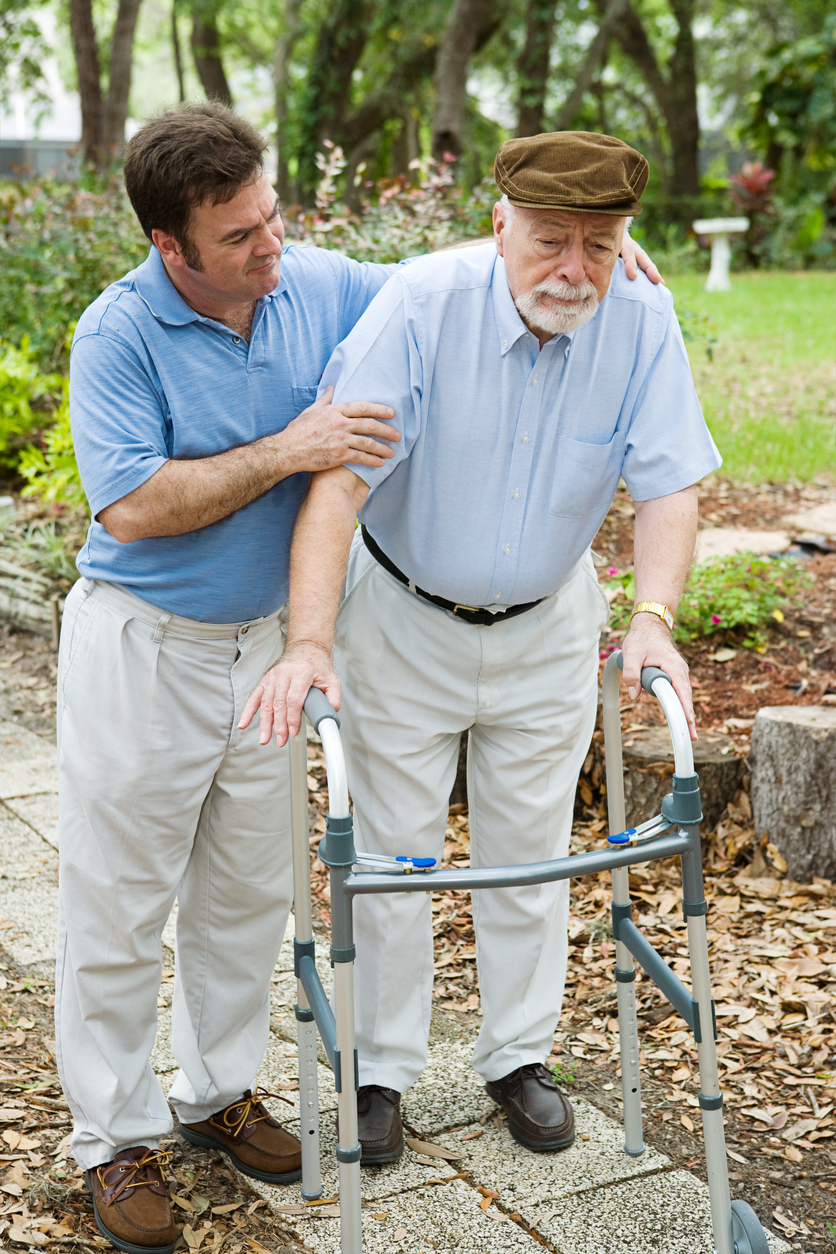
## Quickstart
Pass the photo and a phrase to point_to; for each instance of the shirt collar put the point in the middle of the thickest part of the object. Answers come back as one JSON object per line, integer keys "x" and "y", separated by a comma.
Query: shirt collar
{"x": 510, "y": 326}
{"x": 158, "y": 292}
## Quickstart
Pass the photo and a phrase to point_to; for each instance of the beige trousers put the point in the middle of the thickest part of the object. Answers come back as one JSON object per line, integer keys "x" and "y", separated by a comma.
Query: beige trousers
{"x": 160, "y": 796}
{"x": 413, "y": 679}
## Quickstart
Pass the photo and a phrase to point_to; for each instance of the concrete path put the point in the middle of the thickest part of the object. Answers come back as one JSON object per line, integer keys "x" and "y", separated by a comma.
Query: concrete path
{"x": 590, "y": 1199}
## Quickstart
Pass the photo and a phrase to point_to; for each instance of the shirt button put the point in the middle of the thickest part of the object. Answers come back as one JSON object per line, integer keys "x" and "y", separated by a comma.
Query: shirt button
{"x": 507, "y": 548}
{"x": 236, "y": 339}
{"x": 533, "y": 381}
{"x": 525, "y": 438}
{"x": 516, "y": 496}
{"x": 504, "y": 343}
{"x": 498, "y": 595}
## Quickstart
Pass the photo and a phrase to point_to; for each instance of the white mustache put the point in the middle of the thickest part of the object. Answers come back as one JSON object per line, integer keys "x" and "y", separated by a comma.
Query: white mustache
{"x": 564, "y": 291}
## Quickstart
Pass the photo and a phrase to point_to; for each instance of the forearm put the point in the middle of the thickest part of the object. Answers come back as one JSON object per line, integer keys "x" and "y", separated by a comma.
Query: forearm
{"x": 187, "y": 495}
{"x": 664, "y": 539}
{"x": 319, "y": 554}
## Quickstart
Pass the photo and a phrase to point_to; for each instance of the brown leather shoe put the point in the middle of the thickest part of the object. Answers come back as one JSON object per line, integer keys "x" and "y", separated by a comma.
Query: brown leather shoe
{"x": 379, "y": 1126}
{"x": 248, "y": 1134}
{"x": 131, "y": 1203}
{"x": 539, "y": 1116}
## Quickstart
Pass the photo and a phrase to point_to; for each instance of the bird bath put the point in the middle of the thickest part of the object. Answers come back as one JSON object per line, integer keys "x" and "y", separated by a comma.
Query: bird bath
{"x": 719, "y": 230}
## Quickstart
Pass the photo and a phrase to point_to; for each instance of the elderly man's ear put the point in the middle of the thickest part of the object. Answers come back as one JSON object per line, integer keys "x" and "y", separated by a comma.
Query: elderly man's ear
{"x": 635, "y": 259}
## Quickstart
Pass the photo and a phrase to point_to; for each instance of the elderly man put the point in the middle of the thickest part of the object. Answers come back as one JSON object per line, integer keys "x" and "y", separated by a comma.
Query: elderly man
{"x": 525, "y": 377}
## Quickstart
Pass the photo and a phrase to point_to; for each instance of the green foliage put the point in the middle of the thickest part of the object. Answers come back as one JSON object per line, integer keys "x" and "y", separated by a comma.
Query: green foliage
{"x": 733, "y": 598}
{"x": 404, "y": 220}
{"x": 60, "y": 246}
{"x": 27, "y": 398}
{"x": 794, "y": 111}
{"x": 50, "y": 468}
{"x": 23, "y": 51}
{"x": 564, "y": 1074}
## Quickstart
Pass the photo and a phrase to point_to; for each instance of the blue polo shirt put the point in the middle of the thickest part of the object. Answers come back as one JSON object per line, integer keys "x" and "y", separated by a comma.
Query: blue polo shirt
{"x": 511, "y": 455}
{"x": 152, "y": 380}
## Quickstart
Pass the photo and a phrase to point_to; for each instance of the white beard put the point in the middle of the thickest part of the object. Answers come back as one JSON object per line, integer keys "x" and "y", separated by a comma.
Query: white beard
{"x": 554, "y": 319}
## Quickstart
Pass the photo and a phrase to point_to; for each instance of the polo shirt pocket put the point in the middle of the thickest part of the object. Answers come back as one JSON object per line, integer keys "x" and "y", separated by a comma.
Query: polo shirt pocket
{"x": 303, "y": 398}
{"x": 586, "y": 476}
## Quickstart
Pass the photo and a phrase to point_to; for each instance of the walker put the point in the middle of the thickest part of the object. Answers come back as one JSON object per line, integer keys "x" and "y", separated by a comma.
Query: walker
{"x": 676, "y": 831}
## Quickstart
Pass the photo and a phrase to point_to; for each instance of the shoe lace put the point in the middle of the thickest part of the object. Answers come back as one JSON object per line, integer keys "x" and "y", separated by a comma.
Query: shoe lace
{"x": 237, "y": 1116}
{"x": 145, "y": 1170}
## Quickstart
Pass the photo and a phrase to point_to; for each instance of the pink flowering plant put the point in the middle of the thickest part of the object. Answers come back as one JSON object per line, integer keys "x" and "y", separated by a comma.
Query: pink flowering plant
{"x": 733, "y": 598}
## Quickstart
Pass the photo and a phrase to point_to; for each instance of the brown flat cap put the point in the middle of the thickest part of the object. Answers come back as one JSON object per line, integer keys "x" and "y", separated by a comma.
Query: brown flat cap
{"x": 575, "y": 170}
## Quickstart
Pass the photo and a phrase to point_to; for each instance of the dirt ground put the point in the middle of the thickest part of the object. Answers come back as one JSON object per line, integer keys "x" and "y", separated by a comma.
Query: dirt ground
{"x": 773, "y": 948}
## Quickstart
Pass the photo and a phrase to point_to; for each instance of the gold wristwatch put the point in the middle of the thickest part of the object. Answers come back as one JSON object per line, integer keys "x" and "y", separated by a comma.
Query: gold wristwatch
{"x": 653, "y": 607}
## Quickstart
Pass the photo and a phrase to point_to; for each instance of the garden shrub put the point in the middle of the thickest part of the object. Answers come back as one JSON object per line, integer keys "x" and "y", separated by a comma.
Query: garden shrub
{"x": 60, "y": 246}
{"x": 28, "y": 398}
{"x": 50, "y": 468}
{"x": 733, "y": 598}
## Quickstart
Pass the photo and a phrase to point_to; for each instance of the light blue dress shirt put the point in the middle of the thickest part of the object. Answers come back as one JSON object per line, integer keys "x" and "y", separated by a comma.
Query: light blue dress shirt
{"x": 151, "y": 380}
{"x": 511, "y": 455}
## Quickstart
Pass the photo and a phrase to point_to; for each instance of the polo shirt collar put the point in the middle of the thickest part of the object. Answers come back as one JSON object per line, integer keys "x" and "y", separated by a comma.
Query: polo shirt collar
{"x": 159, "y": 293}
{"x": 509, "y": 325}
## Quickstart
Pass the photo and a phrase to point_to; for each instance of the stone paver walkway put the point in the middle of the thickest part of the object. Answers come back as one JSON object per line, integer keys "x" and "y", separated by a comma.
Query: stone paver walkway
{"x": 590, "y": 1199}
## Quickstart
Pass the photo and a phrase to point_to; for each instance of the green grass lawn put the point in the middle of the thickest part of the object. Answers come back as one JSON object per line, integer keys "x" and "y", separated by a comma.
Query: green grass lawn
{"x": 768, "y": 393}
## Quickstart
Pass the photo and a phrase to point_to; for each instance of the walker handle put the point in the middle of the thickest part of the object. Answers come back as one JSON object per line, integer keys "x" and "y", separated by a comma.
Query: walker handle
{"x": 649, "y": 674}
{"x": 318, "y": 707}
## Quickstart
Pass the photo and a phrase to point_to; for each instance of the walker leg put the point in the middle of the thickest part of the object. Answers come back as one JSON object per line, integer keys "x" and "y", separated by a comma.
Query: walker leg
{"x": 348, "y": 1144}
{"x": 628, "y": 1027}
{"x": 625, "y": 972}
{"x": 305, "y": 1025}
{"x": 711, "y": 1099}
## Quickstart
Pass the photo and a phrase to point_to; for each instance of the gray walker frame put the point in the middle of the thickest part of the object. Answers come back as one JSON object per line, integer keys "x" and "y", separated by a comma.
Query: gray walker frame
{"x": 735, "y": 1226}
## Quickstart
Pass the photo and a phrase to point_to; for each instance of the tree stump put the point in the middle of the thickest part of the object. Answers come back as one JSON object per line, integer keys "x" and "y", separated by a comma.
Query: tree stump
{"x": 648, "y": 767}
{"x": 793, "y": 764}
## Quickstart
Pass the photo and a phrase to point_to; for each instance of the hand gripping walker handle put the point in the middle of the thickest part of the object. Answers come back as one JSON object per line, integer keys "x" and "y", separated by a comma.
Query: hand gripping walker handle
{"x": 649, "y": 674}
{"x": 318, "y": 707}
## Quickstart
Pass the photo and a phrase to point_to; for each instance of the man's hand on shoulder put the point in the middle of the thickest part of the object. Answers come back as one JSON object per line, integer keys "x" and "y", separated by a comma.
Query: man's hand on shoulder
{"x": 325, "y": 435}
{"x": 281, "y": 694}
{"x": 649, "y": 643}
{"x": 635, "y": 259}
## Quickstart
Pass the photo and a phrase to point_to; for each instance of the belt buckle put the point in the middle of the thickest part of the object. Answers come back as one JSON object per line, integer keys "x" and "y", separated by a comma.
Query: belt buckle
{"x": 471, "y": 609}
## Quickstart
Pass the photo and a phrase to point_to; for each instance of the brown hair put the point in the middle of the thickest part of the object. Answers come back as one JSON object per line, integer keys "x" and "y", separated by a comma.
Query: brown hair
{"x": 185, "y": 156}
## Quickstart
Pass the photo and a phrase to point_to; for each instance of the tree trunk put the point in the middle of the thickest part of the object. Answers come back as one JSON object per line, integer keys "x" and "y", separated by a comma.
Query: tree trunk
{"x": 177, "y": 53}
{"x": 460, "y": 38}
{"x": 86, "y": 52}
{"x": 793, "y": 764}
{"x": 206, "y": 50}
{"x": 595, "y": 56}
{"x": 533, "y": 66}
{"x": 340, "y": 41}
{"x": 675, "y": 92}
{"x": 683, "y": 118}
{"x": 119, "y": 76}
{"x": 281, "y": 59}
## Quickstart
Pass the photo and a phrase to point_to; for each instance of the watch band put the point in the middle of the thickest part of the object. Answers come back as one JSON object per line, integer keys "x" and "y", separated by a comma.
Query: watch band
{"x": 653, "y": 607}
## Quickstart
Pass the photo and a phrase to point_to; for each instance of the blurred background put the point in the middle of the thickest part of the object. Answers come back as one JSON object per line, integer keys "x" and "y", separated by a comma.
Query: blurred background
{"x": 383, "y": 118}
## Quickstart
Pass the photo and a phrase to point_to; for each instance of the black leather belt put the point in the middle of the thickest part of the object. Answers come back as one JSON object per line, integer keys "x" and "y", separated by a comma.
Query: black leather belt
{"x": 467, "y": 613}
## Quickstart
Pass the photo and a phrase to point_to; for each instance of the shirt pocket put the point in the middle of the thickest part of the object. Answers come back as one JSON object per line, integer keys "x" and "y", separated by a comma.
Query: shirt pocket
{"x": 303, "y": 398}
{"x": 586, "y": 476}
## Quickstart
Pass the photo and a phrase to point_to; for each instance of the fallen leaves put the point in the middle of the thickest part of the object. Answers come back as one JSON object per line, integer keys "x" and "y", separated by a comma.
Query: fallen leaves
{"x": 429, "y": 1150}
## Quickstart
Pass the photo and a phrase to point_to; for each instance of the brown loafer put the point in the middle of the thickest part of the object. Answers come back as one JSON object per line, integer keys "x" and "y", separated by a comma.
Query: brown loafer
{"x": 539, "y": 1116}
{"x": 379, "y": 1125}
{"x": 131, "y": 1202}
{"x": 248, "y": 1134}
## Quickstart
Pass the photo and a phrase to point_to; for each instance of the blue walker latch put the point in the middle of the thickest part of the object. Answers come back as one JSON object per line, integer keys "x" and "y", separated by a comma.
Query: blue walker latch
{"x": 622, "y": 838}
{"x": 404, "y": 863}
